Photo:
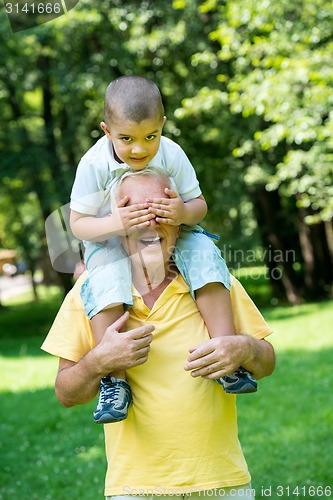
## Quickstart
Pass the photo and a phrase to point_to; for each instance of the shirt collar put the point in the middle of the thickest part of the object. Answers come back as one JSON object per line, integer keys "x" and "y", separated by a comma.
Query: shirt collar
{"x": 177, "y": 285}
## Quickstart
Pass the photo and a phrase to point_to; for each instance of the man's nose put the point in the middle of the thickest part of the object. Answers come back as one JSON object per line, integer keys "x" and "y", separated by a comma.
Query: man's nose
{"x": 153, "y": 222}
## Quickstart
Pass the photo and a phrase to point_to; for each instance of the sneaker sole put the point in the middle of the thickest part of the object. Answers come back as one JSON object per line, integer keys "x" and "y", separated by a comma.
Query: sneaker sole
{"x": 106, "y": 418}
{"x": 245, "y": 389}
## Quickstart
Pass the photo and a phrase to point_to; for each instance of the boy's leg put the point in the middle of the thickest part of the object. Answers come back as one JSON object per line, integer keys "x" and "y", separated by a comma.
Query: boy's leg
{"x": 214, "y": 304}
{"x": 101, "y": 321}
{"x": 115, "y": 394}
{"x": 201, "y": 264}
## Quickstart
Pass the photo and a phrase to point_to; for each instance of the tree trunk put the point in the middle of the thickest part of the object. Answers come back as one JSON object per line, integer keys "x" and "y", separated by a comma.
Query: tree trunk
{"x": 275, "y": 229}
{"x": 285, "y": 232}
{"x": 317, "y": 257}
{"x": 53, "y": 160}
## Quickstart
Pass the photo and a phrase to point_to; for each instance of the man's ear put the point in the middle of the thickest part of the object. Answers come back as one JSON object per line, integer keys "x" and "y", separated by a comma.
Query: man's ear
{"x": 105, "y": 129}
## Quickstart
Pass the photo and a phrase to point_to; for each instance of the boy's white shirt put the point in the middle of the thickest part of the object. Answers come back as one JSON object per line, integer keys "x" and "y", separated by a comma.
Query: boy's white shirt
{"x": 98, "y": 170}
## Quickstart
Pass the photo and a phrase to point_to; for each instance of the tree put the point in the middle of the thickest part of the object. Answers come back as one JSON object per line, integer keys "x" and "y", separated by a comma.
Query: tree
{"x": 247, "y": 90}
{"x": 275, "y": 81}
{"x": 22, "y": 227}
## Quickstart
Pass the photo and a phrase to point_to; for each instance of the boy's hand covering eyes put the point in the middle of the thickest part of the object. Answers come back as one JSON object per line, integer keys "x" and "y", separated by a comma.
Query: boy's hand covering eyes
{"x": 132, "y": 217}
{"x": 169, "y": 210}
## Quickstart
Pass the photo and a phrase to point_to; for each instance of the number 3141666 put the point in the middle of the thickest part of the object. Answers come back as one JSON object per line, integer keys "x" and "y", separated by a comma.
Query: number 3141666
{"x": 33, "y": 8}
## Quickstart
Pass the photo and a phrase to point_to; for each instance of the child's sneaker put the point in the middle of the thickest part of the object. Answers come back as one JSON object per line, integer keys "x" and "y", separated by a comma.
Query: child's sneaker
{"x": 114, "y": 399}
{"x": 239, "y": 382}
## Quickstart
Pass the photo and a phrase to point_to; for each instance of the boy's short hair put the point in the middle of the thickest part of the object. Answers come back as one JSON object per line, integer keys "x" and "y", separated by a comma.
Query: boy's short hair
{"x": 134, "y": 98}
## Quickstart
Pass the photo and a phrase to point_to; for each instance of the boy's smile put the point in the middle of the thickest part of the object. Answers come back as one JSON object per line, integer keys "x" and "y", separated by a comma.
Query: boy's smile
{"x": 135, "y": 144}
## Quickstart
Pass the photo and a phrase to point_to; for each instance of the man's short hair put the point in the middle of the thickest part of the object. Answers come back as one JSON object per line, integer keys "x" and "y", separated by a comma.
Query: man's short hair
{"x": 133, "y": 98}
{"x": 154, "y": 172}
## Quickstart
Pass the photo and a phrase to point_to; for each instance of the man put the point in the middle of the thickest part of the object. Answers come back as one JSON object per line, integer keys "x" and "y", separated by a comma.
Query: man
{"x": 180, "y": 436}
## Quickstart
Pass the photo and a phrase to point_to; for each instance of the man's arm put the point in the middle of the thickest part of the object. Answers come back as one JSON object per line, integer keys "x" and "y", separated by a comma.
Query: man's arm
{"x": 223, "y": 355}
{"x": 78, "y": 383}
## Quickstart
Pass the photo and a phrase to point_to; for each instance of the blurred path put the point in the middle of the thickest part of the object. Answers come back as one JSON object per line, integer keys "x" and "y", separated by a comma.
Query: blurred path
{"x": 9, "y": 287}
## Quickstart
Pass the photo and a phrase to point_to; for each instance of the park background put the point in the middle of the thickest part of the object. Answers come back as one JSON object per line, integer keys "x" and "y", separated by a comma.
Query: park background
{"x": 248, "y": 91}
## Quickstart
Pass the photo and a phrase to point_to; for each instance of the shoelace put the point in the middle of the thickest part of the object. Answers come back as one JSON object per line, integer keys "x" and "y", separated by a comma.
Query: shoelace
{"x": 111, "y": 393}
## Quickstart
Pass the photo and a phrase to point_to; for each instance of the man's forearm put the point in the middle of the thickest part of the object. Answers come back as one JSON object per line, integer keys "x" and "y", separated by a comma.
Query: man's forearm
{"x": 260, "y": 360}
{"x": 77, "y": 383}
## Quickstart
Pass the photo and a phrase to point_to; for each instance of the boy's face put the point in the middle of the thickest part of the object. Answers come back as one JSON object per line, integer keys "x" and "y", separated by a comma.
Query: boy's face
{"x": 135, "y": 144}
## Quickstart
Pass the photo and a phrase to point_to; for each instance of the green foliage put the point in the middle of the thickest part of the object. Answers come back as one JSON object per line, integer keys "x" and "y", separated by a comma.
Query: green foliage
{"x": 20, "y": 220}
{"x": 275, "y": 67}
{"x": 247, "y": 87}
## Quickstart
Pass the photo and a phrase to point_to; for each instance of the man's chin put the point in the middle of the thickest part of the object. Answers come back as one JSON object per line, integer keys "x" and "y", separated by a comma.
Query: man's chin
{"x": 149, "y": 256}
{"x": 152, "y": 247}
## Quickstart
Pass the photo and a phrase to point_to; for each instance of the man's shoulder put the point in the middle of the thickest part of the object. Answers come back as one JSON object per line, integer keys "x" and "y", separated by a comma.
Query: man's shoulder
{"x": 75, "y": 291}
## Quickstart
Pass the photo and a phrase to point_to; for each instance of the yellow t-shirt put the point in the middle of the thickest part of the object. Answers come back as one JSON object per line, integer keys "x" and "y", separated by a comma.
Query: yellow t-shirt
{"x": 181, "y": 432}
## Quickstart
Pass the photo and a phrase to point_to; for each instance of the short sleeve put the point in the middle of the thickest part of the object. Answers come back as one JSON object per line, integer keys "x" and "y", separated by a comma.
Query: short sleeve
{"x": 177, "y": 165}
{"x": 185, "y": 177}
{"x": 87, "y": 192}
{"x": 93, "y": 173}
{"x": 70, "y": 336}
{"x": 247, "y": 318}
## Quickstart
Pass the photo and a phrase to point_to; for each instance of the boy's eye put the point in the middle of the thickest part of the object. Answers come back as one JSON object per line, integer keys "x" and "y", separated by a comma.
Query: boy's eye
{"x": 150, "y": 137}
{"x": 126, "y": 139}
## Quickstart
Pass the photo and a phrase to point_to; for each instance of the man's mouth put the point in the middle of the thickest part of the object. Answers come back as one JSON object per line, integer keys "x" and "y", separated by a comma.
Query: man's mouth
{"x": 150, "y": 241}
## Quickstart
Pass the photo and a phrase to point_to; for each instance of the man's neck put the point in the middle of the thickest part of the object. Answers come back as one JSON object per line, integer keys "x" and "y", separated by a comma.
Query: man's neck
{"x": 151, "y": 285}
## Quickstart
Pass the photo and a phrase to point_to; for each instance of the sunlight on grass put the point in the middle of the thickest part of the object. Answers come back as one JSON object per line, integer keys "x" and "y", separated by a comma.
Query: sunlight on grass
{"x": 44, "y": 292}
{"x": 89, "y": 454}
{"x": 27, "y": 373}
{"x": 307, "y": 327}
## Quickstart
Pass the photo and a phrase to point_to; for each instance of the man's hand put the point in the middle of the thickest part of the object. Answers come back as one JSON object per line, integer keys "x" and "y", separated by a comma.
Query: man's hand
{"x": 78, "y": 383}
{"x": 169, "y": 210}
{"x": 216, "y": 357}
{"x": 132, "y": 217}
{"x": 220, "y": 356}
{"x": 122, "y": 350}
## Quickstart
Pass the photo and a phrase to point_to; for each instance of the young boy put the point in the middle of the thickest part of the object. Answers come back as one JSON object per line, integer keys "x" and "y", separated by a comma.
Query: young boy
{"x": 134, "y": 119}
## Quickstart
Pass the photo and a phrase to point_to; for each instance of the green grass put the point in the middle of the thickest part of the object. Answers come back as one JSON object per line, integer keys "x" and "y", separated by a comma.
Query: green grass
{"x": 48, "y": 452}
{"x": 286, "y": 428}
